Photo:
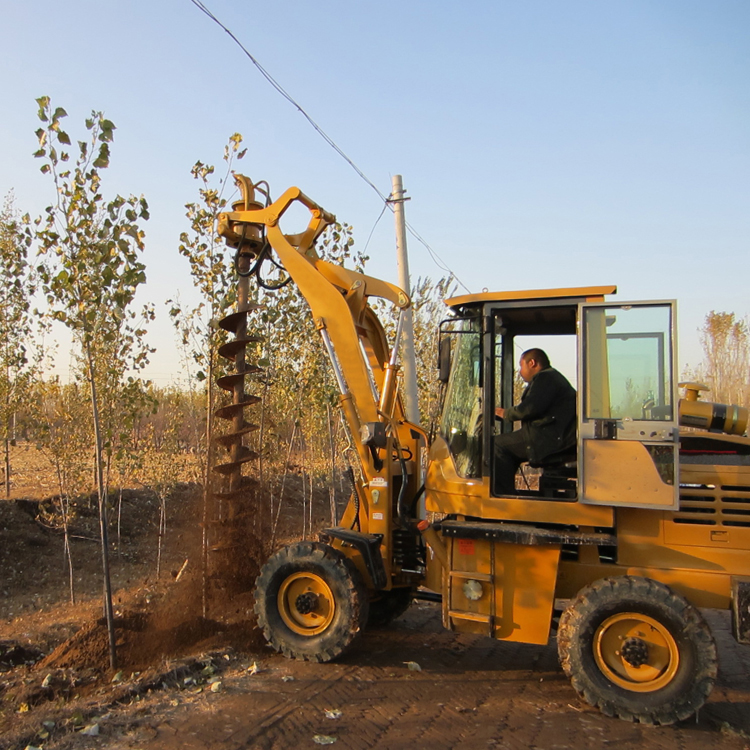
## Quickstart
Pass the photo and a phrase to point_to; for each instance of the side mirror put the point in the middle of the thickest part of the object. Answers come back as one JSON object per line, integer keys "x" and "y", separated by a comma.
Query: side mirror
{"x": 444, "y": 359}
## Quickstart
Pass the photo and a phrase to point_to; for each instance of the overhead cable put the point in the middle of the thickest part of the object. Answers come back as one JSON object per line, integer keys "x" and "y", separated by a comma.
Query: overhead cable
{"x": 280, "y": 89}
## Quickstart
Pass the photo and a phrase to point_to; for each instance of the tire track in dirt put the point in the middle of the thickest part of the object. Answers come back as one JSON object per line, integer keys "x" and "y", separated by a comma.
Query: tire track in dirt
{"x": 470, "y": 693}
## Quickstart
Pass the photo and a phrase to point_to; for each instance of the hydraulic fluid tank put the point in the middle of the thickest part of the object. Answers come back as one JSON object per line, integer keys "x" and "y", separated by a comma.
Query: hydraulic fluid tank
{"x": 705, "y": 415}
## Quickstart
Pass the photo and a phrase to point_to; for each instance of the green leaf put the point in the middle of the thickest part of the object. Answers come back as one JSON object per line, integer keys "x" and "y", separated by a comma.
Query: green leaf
{"x": 62, "y": 136}
{"x": 102, "y": 161}
{"x": 44, "y": 168}
{"x": 43, "y": 102}
{"x": 107, "y": 128}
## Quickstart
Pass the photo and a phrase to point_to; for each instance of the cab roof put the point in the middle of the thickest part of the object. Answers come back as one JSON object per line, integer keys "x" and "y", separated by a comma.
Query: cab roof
{"x": 571, "y": 295}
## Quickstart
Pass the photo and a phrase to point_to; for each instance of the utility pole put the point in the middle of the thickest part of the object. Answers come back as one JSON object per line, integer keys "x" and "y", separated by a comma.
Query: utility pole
{"x": 409, "y": 358}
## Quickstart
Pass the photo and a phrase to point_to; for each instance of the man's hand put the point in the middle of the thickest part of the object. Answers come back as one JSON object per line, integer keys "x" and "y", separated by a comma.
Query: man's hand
{"x": 500, "y": 412}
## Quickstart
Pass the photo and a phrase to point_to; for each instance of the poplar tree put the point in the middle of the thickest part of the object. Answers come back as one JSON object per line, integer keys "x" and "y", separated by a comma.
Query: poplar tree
{"x": 726, "y": 347}
{"x": 15, "y": 324}
{"x": 90, "y": 271}
{"x": 200, "y": 336}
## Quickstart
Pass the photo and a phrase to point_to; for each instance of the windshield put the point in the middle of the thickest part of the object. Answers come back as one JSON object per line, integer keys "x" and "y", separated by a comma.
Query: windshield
{"x": 461, "y": 424}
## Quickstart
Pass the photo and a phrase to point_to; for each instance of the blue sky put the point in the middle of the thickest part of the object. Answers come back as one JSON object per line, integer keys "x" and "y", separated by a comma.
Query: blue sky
{"x": 543, "y": 144}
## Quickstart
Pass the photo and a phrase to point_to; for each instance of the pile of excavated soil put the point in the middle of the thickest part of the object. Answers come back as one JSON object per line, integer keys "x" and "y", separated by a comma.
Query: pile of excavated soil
{"x": 52, "y": 652}
{"x": 142, "y": 640}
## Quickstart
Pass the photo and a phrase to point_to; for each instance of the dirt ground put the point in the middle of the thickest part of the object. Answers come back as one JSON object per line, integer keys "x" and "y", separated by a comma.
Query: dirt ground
{"x": 185, "y": 681}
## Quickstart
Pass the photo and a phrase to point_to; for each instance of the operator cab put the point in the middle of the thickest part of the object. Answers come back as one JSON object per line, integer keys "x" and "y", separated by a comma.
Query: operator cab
{"x": 618, "y": 356}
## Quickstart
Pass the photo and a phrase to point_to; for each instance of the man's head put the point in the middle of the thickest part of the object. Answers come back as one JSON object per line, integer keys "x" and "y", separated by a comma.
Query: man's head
{"x": 532, "y": 361}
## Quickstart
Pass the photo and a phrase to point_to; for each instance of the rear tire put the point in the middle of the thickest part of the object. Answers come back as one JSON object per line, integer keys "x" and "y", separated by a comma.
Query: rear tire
{"x": 310, "y": 602}
{"x": 637, "y": 650}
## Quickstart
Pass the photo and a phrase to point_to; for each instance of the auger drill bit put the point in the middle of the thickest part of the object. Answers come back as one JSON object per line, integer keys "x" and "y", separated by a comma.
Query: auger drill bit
{"x": 233, "y": 494}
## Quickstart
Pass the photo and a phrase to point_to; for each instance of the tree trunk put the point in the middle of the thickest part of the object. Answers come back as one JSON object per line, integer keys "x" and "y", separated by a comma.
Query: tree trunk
{"x": 207, "y": 498}
{"x": 331, "y": 483}
{"x": 7, "y": 467}
{"x": 103, "y": 526}
{"x": 162, "y": 530}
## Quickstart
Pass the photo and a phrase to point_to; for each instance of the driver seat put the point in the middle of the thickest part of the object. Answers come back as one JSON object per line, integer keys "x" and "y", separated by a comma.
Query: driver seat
{"x": 559, "y": 474}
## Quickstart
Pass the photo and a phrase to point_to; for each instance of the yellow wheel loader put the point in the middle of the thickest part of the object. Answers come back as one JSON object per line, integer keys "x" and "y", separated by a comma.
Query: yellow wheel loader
{"x": 617, "y": 541}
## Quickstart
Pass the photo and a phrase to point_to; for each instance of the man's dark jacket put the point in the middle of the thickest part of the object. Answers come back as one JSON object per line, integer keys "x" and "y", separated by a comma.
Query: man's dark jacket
{"x": 547, "y": 412}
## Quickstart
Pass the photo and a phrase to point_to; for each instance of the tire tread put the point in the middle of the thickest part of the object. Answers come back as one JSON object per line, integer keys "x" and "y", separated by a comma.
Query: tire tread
{"x": 630, "y": 592}
{"x": 343, "y": 575}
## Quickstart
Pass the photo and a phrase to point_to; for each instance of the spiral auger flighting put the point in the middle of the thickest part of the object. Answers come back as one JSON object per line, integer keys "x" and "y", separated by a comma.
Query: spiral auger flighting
{"x": 231, "y": 528}
{"x": 231, "y": 546}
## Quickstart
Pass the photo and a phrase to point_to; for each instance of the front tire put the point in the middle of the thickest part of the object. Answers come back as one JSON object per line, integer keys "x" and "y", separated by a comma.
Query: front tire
{"x": 310, "y": 602}
{"x": 637, "y": 650}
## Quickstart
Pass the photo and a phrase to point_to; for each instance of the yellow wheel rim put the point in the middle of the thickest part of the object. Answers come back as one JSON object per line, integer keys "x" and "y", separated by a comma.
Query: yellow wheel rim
{"x": 655, "y": 643}
{"x": 316, "y": 597}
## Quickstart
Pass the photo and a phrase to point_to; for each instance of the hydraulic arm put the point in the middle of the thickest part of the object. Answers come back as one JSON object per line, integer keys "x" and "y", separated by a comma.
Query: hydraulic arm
{"x": 365, "y": 367}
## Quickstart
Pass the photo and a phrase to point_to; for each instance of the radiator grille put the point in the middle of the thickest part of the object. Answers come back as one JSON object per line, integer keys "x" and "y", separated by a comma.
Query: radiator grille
{"x": 714, "y": 505}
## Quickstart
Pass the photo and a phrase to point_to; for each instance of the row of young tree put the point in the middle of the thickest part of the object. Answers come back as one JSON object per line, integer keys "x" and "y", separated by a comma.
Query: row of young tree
{"x": 85, "y": 271}
{"x": 80, "y": 264}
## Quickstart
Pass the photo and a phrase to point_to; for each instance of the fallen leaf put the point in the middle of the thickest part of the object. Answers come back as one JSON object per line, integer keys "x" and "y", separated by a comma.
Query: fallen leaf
{"x": 413, "y": 666}
{"x": 117, "y": 677}
{"x": 332, "y": 713}
{"x": 254, "y": 668}
{"x": 46, "y": 681}
{"x": 324, "y": 739}
{"x": 216, "y": 687}
{"x": 92, "y": 730}
{"x": 287, "y": 678}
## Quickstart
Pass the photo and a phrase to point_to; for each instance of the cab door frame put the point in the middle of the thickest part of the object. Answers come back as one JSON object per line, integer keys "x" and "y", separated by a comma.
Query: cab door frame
{"x": 628, "y": 459}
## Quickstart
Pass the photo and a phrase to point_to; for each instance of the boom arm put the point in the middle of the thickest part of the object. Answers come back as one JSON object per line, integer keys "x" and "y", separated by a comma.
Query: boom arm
{"x": 354, "y": 338}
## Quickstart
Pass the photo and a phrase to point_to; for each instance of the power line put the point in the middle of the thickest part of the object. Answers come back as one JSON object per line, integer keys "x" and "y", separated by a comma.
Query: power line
{"x": 437, "y": 260}
{"x": 280, "y": 89}
{"x": 276, "y": 85}
{"x": 377, "y": 221}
